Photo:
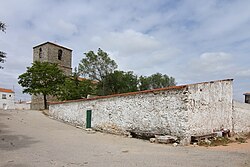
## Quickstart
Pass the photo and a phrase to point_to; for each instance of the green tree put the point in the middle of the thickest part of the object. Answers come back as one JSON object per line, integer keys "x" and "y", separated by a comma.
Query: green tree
{"x": 2, "y": 26}
{"x": 2, "y": 57}
{"x": 76, "y": 88}
{"x": 2, "y": 54}
{"x": 96, "y": 66}
{"x": 156, "y": 81}
{"x": 119, "y": 82}
{"x": 42, "y": 78}
{"x": 172, "y": 81}
{"x": 144, "y": 83}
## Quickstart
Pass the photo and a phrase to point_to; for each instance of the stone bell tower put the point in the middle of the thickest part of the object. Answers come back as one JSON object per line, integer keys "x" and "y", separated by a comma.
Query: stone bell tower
{"x": 53, "y": 53}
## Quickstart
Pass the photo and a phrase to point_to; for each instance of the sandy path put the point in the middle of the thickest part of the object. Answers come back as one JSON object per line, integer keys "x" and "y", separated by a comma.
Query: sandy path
{"x": 28, "y": 138}
{"x": 232, "y": 147}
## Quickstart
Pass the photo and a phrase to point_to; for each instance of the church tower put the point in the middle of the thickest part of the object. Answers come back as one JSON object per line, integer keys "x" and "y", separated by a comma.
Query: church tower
{"x": 53, "y": 53}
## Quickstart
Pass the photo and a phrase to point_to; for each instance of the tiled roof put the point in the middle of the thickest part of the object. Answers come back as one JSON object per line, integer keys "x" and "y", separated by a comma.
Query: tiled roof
{"x": 81, "y": 79}
{"x": 248, "y": 93}
{"x": 84, "y": 79}
{"x": 6, "y": 90}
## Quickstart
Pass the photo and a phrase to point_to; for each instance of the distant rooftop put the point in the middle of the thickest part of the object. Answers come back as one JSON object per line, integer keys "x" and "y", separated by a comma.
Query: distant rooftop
{"x": 6, "y": 90}
{"x": 84, "y": 79}
{"x": 248, "y": 93}
{"x": 52, "y": 44}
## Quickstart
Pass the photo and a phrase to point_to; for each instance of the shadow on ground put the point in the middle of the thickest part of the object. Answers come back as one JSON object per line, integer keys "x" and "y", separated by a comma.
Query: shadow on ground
{"x": 13, "y": 142}
{"x": 10, "y": 141}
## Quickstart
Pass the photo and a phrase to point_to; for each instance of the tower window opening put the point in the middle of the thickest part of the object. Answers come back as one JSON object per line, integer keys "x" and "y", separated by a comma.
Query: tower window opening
{"x": 40, "y": 53}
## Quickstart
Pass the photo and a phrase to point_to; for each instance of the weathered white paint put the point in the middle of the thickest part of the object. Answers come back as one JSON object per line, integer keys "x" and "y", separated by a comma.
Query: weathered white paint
{"x": 7, "y": 103}
{"x": 209, "y": 107}
{"x": 241, "y": 117}
{"x": 179, "y": 111}
{"x": 22, "y": 105}
{"x": 157, "y": 112}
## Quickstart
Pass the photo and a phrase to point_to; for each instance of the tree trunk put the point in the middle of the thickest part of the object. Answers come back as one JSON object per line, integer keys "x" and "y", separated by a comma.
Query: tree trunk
{"x": 103, "y": 89}
{"x": 45, "y": 101}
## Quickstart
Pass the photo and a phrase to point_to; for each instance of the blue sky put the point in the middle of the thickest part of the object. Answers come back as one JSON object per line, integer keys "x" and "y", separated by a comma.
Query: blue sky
{"x": 193, "y": 41}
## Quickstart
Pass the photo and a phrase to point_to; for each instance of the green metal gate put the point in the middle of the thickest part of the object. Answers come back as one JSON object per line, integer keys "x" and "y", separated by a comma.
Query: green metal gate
{"x": 88, "y": 118}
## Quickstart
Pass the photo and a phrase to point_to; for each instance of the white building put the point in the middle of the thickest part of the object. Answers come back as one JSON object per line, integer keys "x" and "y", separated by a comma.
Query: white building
{"x": 7, "y": 98}
{"x": 22, "y": 105}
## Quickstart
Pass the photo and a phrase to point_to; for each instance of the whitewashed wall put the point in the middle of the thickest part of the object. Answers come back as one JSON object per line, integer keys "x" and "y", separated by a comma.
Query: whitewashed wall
{"x": 209, "y": 107}
{"x": 22, "y": 106}
{"x": 241, "y": 117}
{"x": 7, "y": 103}
{"x": 180, "y": 111}
{"x": 158, "y": 111}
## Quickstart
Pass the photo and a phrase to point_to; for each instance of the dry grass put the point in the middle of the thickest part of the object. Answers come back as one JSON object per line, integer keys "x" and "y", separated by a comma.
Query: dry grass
{"x": 45, "y": 112}
{"x": 242, "y": 138}
{"x": 216, "y": 141}
{"x": 248, "y": 135}
{"x": 224, "y": 141}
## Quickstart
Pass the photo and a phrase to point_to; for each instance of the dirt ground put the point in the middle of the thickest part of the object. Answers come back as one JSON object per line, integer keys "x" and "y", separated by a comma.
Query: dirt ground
{"x": 30, "y": 139}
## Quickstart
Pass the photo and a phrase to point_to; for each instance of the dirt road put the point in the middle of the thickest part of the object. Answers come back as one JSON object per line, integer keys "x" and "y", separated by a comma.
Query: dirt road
{"x": 28, "y": 138}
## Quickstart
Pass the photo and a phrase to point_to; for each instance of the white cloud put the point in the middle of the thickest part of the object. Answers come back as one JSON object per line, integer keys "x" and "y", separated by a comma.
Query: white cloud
{"x": 179, "y": 38}
{"x": 65, "y": 29}
{"x": 212, "y": 62}
{"x": 243, "y": 73}
{"x": 146, "y": 52}
{"x": 128, "y": 42}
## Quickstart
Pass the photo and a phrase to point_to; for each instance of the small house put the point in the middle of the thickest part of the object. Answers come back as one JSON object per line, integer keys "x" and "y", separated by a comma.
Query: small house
{"x": 7, "y": 99}
{"x": 247, "y": 97}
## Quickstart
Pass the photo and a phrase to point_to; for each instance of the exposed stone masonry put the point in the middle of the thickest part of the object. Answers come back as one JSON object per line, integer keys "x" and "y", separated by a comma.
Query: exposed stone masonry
{"x": 50, "y": 52}
{"x": 180, "y": 111}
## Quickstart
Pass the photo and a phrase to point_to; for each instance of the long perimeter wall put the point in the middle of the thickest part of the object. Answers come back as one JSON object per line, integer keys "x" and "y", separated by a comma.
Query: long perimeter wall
{"x": 241, "y": 117}
{"x": 180, "y": 111}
